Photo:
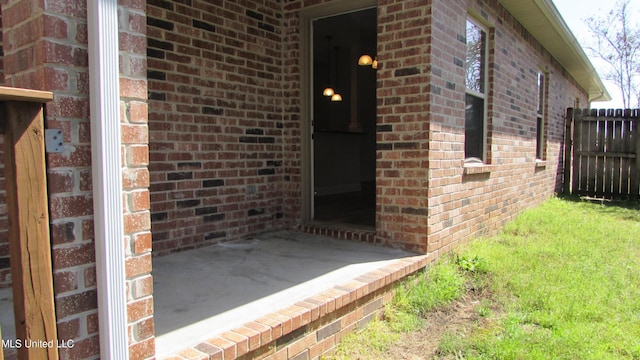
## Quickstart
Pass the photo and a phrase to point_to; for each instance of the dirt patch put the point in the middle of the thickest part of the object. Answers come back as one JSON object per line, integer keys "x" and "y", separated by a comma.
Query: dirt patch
{"x": 460, "y": 318}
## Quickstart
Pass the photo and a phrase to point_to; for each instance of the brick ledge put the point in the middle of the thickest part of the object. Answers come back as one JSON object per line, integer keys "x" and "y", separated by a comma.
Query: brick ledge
{"x": 272, "y": 328}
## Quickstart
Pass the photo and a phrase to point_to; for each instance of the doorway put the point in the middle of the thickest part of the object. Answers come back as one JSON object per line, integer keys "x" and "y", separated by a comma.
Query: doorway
{"x": 343, "y": 129}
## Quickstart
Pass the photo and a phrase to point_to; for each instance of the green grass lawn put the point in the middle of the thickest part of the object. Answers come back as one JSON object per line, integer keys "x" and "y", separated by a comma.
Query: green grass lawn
{"x": 563, "y": 282}
{"x": 567, "y": 275}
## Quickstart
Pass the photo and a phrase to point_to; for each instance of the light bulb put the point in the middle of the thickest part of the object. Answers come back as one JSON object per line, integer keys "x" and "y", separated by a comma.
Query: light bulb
{"x": 336, "y": 97}
{"x": 328, "y": 91}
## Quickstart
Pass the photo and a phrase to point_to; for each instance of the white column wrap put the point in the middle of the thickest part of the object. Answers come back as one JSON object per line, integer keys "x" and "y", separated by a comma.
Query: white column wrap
{"x": 104, "y": 72}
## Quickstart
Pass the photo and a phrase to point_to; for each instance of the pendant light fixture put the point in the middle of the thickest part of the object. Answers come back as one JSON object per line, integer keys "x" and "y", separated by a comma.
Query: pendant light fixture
{"x": 328, "y": 91}
{"x": 367, "y": 60}
{"x": 336, "y": 97}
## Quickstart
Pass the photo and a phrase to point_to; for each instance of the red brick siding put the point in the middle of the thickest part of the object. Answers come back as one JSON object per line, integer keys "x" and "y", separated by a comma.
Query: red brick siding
{"x": 225, "y": 118}
{"x": 463, "y": 205}
{"x": 425, "y": 201}
{"x": 135, "y": 158}
{"x": 5, "y": 271}
{"x": 291, "y": 105}
{"x": 215, "y": 121}
{"x": 29, "y": 62}
{"x": 46, "y": 48}
{"x": 403, "y": 121}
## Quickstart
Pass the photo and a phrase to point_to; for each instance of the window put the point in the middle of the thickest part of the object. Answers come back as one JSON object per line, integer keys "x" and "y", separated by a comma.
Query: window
{"x": 540, "y": 138}
{"x": 475, "y": 98}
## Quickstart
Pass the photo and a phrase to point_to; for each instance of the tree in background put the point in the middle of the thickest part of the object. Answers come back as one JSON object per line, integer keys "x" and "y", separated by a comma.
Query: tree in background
{"x": 617, "y": 43}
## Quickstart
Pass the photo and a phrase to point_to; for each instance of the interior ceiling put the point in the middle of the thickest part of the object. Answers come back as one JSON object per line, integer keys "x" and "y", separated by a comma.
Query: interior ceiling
{"x": 350, "y": 30}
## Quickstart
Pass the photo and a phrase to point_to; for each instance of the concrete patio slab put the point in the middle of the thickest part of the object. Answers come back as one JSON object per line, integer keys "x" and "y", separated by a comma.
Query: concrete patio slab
{"x": 6, "y": 314}
{"x": 207, "y": 291}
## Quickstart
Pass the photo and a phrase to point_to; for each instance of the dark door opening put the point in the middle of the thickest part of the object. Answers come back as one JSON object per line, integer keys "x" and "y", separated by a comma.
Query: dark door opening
{"x": 344, "y": 132}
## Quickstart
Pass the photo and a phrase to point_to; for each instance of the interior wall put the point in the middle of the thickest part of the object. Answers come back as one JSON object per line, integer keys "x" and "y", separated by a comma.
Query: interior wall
{"x": 215, "y": 120}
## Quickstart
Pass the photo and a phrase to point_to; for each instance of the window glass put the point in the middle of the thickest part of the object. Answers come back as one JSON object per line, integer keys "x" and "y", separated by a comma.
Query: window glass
{"x": 540, "y": 117}
{"x": 475, "y": 83}
{"x": 540, "y": 94}
{"x": 476, "y": 59}
{"x": 474, "y": 127}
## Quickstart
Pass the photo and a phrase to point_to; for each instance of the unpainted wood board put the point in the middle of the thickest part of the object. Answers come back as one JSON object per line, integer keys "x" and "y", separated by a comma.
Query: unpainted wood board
{"x": 592, "y": 160}
{"x": 29, "y": 243}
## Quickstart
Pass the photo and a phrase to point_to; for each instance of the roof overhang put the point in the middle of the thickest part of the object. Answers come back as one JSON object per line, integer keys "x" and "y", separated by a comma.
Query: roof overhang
{"x": 542, "y": 19}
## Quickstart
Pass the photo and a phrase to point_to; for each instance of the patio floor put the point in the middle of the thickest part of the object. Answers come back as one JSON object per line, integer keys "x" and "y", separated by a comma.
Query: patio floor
{"x": 6, "y": 314}
{"x": 204, "y": 292}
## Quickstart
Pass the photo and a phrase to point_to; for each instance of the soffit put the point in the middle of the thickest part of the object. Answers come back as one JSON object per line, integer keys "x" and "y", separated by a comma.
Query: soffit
{"x": 542, "y": 19}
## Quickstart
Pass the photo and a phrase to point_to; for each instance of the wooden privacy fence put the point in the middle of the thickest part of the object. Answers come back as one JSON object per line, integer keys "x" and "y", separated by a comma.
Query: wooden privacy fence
{"x": 602, "y": 159}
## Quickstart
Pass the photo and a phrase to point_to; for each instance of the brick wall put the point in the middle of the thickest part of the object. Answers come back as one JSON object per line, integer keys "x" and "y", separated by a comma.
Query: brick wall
{"x": 426, "y": 199}
{"x": 27, "y": 58}
{"x": 215, "y": 121}
{"x": 135, "y": 177}
{"x": 5, "y": 272}
{"x": 292, "y": 116}
{"x": 225, "y": 132}
{"x": 45, "y": 48}
{"x": 210, "y": 150}
{"x": 403, "y": 122}
{"x": 469, "y": 202}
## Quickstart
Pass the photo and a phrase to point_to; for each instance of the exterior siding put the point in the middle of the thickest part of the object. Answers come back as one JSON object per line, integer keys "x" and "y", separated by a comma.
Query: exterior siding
{"x": 135, "y": 177}
{"x": 5, "y": 272}
{"x": 469, "y": 202}
{"x": 31, "y": 63}
{"x": 45, "y": 48}
{"x": 403, "y": 122}
{"x": 213, "y": 125}
{"x": 216, "y": 123}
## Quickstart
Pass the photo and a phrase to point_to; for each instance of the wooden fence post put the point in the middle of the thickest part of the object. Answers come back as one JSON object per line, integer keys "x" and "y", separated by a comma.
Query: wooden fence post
{"x": 635, "y": 180}
{"x": 568, "y": 145}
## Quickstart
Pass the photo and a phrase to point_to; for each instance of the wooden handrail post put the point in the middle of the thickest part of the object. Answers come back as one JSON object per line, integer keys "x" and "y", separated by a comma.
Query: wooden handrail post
{"x": 28, "y": 210}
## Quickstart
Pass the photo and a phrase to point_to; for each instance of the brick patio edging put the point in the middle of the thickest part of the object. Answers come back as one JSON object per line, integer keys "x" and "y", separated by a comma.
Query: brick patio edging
{"x": 312, "y": 327}
{"x": 338, "y": 232}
